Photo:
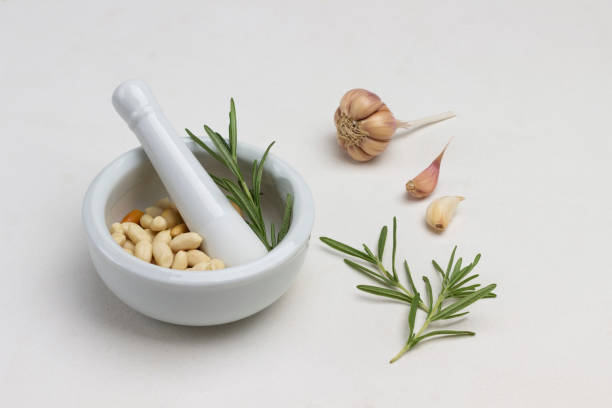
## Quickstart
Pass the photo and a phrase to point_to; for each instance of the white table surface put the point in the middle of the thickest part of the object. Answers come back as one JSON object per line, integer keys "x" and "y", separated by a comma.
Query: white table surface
{"x": 531, "y": 84}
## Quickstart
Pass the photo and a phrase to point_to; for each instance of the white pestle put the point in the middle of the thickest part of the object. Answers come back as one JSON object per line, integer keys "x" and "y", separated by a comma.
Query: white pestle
{"x": 204, "y": 208}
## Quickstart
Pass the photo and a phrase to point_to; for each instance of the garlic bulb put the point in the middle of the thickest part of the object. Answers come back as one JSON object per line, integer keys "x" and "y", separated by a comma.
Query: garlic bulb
{"x": 365, "y": 125}
{"x": 424, "y": 184}
{"x": 441, "y": 211}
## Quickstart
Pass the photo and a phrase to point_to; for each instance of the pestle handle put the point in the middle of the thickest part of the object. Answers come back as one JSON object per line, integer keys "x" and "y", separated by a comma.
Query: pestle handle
{"x": 203, "y": 206}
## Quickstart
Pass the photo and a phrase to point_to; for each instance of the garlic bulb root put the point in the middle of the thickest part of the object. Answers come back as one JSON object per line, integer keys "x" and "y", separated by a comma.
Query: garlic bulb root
{"x": 441, "y": 211}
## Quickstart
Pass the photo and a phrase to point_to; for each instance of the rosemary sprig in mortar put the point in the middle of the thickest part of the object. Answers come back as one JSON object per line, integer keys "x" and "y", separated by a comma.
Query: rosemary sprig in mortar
{"x": 238, "y": 191}
{"x": 454, "y": 296}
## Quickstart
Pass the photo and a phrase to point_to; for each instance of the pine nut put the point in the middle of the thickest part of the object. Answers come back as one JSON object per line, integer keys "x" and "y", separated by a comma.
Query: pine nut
{"x": 150, "y": 233}
{"x": 165, "y": 203}
{"x": 129, "y": 251}
{"x": 217, "y": 264}
{"x": 159, "y": 223}
{"x": 145, "y": 221}
{"x": 172, "y": 217}
{"x": 126, "y": 226}
{"x": 202, "y": 266}
{"x": 153, "y": 211}
{"x": 117, "y": 227}
{"x": 119, "y": 238}
{"x": 180, "y": 260}
{"x": 187, "y": 240}
{"x": 163, "y": 236}
{"x": 178, "y": 229}
{"x": 195, "y": 256}
{"x": 162, "y": 254}
{"x": 129, "y": 245}
{"x": 144, "y": 250}
{"x": 137, "y": 234}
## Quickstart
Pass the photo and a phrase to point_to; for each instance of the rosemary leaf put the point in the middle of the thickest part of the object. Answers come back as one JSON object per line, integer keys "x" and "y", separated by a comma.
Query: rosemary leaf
{"x": 438, "y": 268}
{"x": 368, "y": 272}
{"x": 395, "y": 277}
{"x": 287, "y": 216}
{"x": 259, "y": 174}
{"x": 222, "y": 150}
{"x": 429, "y": 292}
{"x": 455, "y": 316}
{"x": 382, "y": 238}
{"x": 204, "y": 146}
{"x": 233, "y": 132}
{"x": 410, "y": 281}
{"x": 412, "y": 314}
{"x": 338, "y": 246}
{"x": 444, "y": 333}
{"x": 273, "y": 236}
{"x": 389, "y": 293}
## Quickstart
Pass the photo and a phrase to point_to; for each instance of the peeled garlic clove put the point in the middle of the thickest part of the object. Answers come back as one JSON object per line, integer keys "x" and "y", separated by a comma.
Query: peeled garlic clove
{"x": 441, "y": 211}
{"x": 424, "y": 184}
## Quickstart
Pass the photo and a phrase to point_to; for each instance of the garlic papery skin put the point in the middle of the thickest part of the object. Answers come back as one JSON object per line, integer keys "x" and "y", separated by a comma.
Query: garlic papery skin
{"x": 365, "y": 125}
{"x": 441, "y": 211}
{"x": 425, "y": 183}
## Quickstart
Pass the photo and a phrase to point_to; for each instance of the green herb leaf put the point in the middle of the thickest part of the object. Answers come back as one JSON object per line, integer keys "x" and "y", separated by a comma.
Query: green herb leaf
{"x": 451, "y": 261}
{"x": 395, "y": 277}
{"x": 368, "y": 272}
{"x": 382, "y": 238}
{"x": 369, "y": 251}
{"x": 204, "y": 146}
{"x": 455, "y": 315}
{"x": 443, "y": 333}
{"x": 414, "y": 306}
{"x": 429, "y": 292}
{"x": 410, "y": 281}
{"x": 233, "y": 133}
{"x": 287, "y": 216}
{"x": 465, "y": 302}
{"x": 466, "y": 280}
{"x": 389, "y": 293}
{"x": 259, "y": 174}
{"x": 273, "y": 236}
{"x": 339, "y": 246}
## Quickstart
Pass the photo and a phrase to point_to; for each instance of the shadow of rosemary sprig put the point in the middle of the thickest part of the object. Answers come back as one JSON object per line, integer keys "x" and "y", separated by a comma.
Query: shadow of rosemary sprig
{"x": 238, "y": 191}
{"x": 454, "y": 295}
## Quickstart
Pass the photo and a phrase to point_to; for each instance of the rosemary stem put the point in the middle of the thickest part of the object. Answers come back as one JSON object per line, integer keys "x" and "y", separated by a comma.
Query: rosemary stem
{"x": 397, "y": 284}
{"x": 428, "y": 320}
{"x": 401, "y": 353}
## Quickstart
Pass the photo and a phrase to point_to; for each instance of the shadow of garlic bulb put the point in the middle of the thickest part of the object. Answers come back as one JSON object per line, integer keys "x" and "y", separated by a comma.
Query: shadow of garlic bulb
{"x": 365, "y": 125}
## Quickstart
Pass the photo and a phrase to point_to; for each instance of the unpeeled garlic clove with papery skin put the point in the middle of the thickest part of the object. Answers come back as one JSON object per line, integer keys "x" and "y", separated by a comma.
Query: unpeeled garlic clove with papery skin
{"x": 441, "y": 211}
{"x": 425, "y": 183}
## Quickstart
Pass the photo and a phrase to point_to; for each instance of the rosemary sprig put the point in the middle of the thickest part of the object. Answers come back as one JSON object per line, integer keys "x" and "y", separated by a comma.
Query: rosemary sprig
{"x": 453, "y": 297}
{"x": 238, "y": 191}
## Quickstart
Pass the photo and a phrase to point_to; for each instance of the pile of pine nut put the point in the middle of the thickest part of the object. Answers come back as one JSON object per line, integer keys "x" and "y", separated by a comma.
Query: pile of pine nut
{"x": 159, "y": 236}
